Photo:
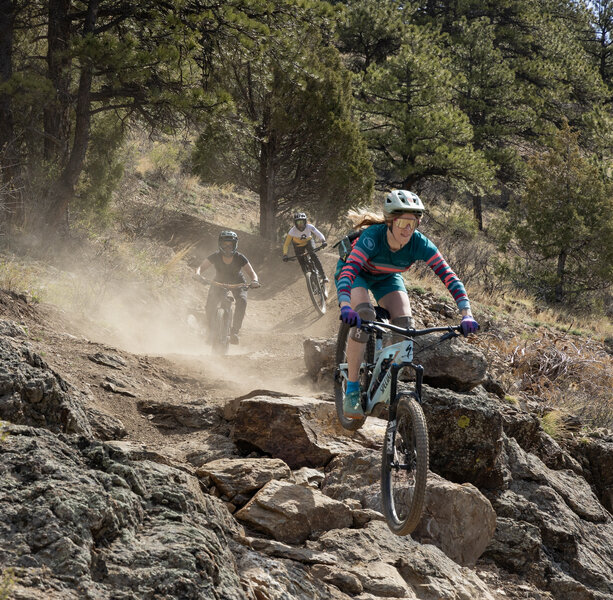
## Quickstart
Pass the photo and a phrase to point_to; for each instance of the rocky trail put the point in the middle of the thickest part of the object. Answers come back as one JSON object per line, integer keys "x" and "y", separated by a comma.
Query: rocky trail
{"x": 139, "y": 465}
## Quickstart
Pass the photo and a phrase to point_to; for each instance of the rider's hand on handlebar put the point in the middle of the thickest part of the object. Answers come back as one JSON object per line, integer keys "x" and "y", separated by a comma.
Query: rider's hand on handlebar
{"x": 350, "y": 317}
{"x": 255, "y": 284}
{"x": 324, "y": 244}
{"x": 468, "y": 325}
{"x": 285, "y": 258}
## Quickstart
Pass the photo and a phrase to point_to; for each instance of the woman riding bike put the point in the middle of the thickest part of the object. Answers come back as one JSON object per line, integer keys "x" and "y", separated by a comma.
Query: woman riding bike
{"x": 301, "y": 236}
{"x": 387, "y": 246}
{"x": 229, "y": 266}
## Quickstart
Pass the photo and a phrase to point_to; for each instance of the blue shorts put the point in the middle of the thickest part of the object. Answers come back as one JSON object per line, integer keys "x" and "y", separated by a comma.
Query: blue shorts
{"x": 379, "y": 285}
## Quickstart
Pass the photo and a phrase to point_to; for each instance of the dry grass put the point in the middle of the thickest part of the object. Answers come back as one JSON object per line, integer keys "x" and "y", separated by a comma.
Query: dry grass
{"x": 572, "y": 374}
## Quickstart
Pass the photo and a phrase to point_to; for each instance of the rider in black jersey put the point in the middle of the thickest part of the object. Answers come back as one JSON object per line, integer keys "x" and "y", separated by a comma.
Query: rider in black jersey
{"x": 229, "y": 267}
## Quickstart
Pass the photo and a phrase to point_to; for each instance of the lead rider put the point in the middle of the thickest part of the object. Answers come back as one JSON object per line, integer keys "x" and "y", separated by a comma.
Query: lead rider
{"x": 387, "y": 246}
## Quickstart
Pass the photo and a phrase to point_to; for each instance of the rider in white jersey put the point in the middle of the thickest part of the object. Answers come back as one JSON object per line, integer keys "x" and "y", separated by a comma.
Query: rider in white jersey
{"x": 301, "y": 236}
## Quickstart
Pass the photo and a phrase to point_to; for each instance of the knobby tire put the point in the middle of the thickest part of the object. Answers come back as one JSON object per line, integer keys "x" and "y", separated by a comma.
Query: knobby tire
{"x": 404, "y": 470}
{"x": 316, "y": 291}
{"x": 222, "y": 333}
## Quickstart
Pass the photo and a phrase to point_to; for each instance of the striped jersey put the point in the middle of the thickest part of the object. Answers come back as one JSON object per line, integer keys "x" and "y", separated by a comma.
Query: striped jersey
{"x": 372, "y": 255}
{"x": 302, "y": 238}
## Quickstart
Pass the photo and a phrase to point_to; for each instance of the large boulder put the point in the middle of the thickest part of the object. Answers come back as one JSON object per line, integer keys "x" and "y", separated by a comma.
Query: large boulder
{"x": 453, "y": 364}
{"x": 239, "y": 478}
{"x": 83, "y": 519}
{"x": 303, "y": 432}
{"x": 597, "y": 454}
{"x": 466, "y": 437}
{"x": 293, "y": 513}
{"x": 567, "y": 533}
{"x": 32, "y": 394}
{"x": 369, "y": 553}
{"x": 458, "y": 519}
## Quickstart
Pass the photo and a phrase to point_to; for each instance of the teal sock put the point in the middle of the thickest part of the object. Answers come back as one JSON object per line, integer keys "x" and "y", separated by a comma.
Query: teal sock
{"x": 352, "y": 386}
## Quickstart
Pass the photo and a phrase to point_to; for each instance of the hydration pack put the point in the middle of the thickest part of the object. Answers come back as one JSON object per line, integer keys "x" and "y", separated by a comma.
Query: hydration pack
{"x": 345, "y": 245}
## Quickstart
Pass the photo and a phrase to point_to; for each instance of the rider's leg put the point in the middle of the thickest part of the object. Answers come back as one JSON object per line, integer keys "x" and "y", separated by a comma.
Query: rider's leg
{"x": 240, "y": 296}
{"x": 360, "y": 302}
{"x": 300, "y": 252}
{"x": 311, "y": 250}
{"x": 398, "y": 305}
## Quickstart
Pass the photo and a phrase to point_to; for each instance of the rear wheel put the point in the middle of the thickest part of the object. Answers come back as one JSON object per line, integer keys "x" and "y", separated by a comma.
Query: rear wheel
{"x": 404, "y": 468}
{"x": 340, "y": 380}
{"x": 316, "y": 291}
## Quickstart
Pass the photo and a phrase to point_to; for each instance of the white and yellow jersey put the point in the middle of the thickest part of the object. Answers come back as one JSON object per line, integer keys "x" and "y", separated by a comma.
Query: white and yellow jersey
{"x": 302, "y": 238}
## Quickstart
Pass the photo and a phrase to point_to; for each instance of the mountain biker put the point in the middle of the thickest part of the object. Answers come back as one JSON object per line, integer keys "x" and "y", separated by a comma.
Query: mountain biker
{"x": 229, "y": 266}
{"x": 387, "y": 246}
{"x": 301, "y": 236}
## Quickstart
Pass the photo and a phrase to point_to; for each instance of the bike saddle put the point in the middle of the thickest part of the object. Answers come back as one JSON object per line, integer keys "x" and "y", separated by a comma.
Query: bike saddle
{"x": 382, "y": 314}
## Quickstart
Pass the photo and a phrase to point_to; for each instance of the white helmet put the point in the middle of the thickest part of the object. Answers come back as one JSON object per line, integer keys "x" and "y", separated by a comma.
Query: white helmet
{"x": 401, "y": 201}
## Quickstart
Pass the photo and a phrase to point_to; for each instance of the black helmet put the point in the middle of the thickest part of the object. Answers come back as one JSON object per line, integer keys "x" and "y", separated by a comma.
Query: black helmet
{"x": 300, "y": 220}
{"x": 228, "y": 236}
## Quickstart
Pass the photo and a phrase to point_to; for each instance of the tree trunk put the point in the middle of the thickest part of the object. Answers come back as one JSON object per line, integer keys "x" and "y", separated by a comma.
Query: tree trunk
{"x": 478, "y": 211}
{"x": 560, "y": 279}
{"x": 56, "y": 112}
{"x": 12, "y": 200}
{"x": 64, "y": 189}
{"x": 268, "y": 201}
{"x": 7, "y": 23}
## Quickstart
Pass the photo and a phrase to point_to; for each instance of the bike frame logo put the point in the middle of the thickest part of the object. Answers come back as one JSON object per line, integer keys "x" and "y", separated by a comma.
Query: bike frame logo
{"x": 391, "y": 434}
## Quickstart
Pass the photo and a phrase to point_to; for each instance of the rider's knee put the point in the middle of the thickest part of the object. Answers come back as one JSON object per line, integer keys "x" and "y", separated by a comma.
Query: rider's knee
{"x": 367, "y": 312}
{"x": 405, "y": 322}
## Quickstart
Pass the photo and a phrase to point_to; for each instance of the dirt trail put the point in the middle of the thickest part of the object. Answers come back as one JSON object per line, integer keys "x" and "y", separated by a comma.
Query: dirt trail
{"x": 280, "y": 316}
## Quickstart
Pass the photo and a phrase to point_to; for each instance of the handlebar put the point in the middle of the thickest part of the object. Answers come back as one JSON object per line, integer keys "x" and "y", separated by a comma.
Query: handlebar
{"x": 378, "y": 326}
{"x": 321, "y": 247}
{"x": 228, "y": 286}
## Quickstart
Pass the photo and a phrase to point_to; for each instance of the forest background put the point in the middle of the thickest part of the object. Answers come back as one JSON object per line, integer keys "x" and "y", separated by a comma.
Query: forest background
{"x": 498, "y": 113}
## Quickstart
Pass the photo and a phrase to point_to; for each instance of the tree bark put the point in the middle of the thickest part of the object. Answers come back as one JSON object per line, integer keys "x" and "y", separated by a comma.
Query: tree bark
{"x": 560, "y": 279}
{"x": 478, "y": 211}
{"x": 56, "y": 113}
{"x": 11, "y": 202}
{"x": 7, "y": 23}
{"x": 64, "y": 189}
{"x": 268, "y": 200}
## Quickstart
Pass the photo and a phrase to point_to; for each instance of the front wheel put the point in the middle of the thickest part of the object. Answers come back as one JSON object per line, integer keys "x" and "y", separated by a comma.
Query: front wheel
{"x": 340, "y": 379}
{"x": 404, "y": 468}
{"x": 316, "y": 291}
{"x": 223, "y": 322}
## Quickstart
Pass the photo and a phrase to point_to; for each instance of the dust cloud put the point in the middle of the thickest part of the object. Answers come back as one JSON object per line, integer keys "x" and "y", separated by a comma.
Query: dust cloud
{"x": 170, "y": 323}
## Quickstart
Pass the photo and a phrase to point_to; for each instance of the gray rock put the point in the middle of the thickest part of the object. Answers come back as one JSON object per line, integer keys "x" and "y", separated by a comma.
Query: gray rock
{"x": 32, "y": 394}
{"x": 292, "y": 513}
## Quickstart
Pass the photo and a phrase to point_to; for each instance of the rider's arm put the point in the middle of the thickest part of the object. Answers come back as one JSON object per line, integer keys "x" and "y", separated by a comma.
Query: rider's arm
{"x": 434, "y": 259}
{"x": 318, "y": 233}
{"x": 288, "y": 239}
{"x": 363, "y": 249}
{"x": 206, "y": 263}
{"x": 248, "y": 269}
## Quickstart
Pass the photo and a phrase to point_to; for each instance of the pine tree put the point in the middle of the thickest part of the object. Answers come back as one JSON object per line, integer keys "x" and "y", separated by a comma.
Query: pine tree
{"x": 564, "y": 223}
{"x": 289, "y": 137}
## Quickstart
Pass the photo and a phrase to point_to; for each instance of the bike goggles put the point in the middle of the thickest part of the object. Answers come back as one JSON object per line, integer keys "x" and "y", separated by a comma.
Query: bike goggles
{"x": 404, "y": 222}
{"x": 300, "y": 222}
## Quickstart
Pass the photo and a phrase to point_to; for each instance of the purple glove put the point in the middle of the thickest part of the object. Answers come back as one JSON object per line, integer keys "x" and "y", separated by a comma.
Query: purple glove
{"x": 350, "y": 317}
{"x": 468, "y": 325}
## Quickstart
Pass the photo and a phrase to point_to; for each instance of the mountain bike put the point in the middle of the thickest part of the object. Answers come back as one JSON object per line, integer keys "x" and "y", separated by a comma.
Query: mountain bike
{"x": 221, "y": 324}
{"x": 405, "y": 456}
{"x": 315, "y": 281}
